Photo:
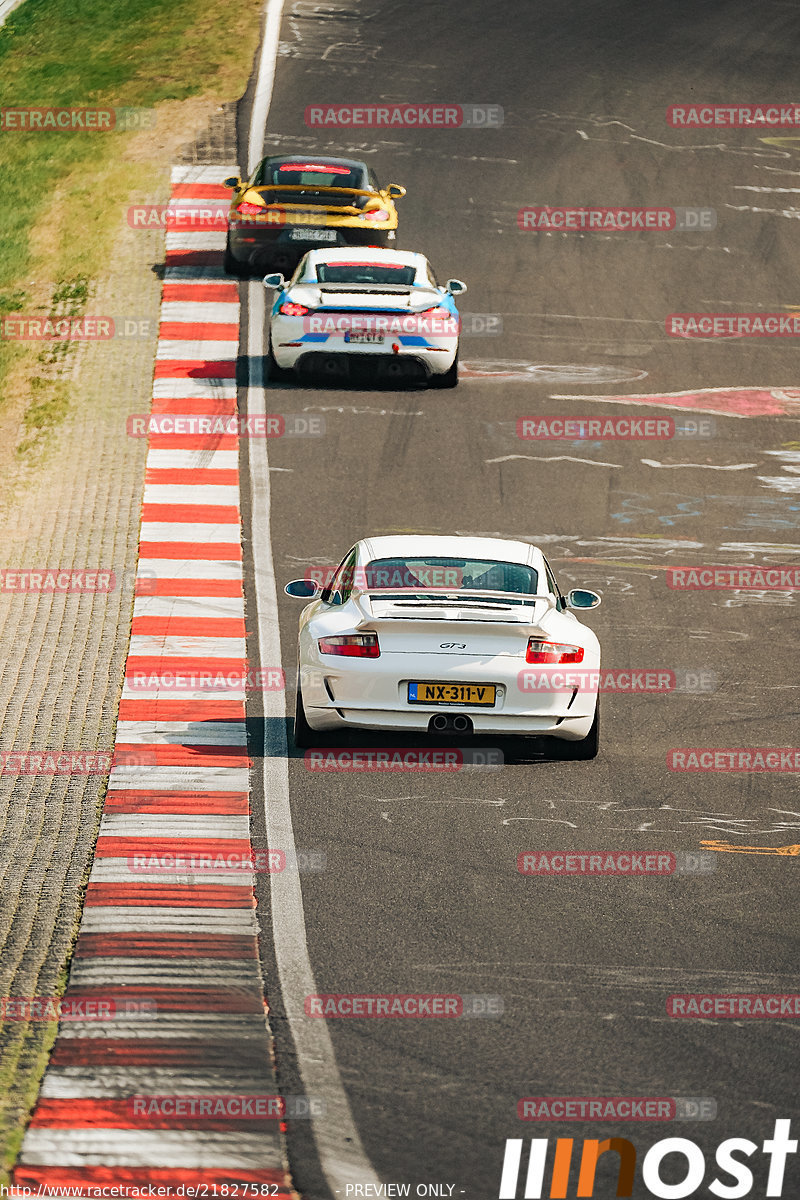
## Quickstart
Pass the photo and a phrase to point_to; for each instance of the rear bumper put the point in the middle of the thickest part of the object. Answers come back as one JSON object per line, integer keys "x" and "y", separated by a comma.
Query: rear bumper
{"x": 343, "y": 366}
{"x": 328, "y": 357}
{"x": 342, "y": 695}
{"x": 570, "y": 728}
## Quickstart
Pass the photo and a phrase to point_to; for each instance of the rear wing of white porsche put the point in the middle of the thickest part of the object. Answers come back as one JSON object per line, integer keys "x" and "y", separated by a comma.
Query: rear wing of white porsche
{"x": 415, "y": 604}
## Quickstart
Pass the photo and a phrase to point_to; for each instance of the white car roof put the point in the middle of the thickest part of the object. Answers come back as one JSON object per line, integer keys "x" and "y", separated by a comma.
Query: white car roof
{"x": 368, "y": 254}
{"x": 451, "y": 546}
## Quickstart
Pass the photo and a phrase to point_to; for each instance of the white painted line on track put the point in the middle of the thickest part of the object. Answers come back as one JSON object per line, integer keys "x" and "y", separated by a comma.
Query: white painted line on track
{"x": 342, "y": 1156}
{"x": 265, "y": 80}
{"x": 7, "y": 7}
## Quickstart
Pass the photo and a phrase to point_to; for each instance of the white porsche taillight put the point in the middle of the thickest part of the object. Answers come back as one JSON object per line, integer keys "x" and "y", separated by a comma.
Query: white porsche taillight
{"x": 351, "y": 645}
{"x": 552, "y": 652}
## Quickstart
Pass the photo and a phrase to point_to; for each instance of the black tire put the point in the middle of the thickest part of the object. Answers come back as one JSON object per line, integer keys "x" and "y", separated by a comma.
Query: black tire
{"x": 586, "y": 749}
{"x": 448, "y": 380}
{"x": 231, "y": 265}
{"x": 275, "y": 374}
{"x": 303, "y": 733}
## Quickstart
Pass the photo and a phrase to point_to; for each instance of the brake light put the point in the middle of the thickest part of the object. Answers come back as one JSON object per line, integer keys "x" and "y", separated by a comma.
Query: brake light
{"x": 249, "y": 210}
{"x": 438, "y": 311}
{"x": 552, "y": 652}
{"x": 319, "y": 167}
{"x": 377, "y": 214}
{"x": 351, "y": 645}
{"x": 293, "y": 310}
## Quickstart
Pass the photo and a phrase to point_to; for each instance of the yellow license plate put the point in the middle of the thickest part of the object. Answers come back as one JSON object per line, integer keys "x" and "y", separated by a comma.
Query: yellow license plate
{"x": 452, "y": 693}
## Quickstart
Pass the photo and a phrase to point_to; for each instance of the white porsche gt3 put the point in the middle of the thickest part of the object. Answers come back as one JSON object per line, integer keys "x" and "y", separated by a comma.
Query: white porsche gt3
{"x": 378, "y": 309}
{"x": 439, "y": 634}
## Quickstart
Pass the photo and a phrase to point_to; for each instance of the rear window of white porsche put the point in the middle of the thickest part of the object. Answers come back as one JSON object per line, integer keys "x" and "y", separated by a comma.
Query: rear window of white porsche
{"x": 450, "y": 575}
{"x": 366, "y": 272}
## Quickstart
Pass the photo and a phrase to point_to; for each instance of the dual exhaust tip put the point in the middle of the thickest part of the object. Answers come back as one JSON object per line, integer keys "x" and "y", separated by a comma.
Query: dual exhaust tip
{"x": 441, "y": 723}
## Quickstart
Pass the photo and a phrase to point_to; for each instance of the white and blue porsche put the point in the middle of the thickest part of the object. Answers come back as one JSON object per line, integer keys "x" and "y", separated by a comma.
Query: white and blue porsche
{"x": 447, "y": 635}
{"x": 367, "y": 308}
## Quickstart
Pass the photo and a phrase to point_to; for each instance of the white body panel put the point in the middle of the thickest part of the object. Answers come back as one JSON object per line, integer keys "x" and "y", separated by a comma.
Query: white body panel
{"x": 394, "y": 314}
{"x": 444, "y": 641}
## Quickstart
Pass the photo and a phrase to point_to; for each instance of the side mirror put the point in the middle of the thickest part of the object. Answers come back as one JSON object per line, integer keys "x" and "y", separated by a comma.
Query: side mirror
{"x": 275, "y": 280}
{"x": 582, "y": 598}
{"x": 303, "y": 589}
{"x": 455, "y": 287}
{"x": 395, "y": 191}
{"x": 233, "y": 181}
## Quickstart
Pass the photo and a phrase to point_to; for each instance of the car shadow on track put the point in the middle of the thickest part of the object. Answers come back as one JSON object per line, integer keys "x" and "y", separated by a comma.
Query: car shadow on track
{"x": 252, "y": 370}
{"x": 271, "y": 737}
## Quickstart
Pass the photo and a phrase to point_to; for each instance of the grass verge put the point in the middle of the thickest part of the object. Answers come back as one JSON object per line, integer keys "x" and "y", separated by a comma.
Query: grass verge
{"x": 63, "y": 193}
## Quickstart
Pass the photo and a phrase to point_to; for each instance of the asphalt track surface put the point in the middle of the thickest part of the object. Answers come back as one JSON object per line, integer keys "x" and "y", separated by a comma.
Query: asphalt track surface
{"x": 421, "y": 893}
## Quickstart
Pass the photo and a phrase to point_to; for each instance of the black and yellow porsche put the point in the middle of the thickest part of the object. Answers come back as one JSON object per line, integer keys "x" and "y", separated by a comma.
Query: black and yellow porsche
{"x": 295, "y": 203}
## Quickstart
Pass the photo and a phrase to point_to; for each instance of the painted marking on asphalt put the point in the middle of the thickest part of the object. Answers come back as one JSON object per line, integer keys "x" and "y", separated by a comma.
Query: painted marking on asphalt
{"x": 589, "y": 462}
{"x": 727, "y": 848}
{"x": 732, "y": 402}
{"x": 652, "y": 462}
